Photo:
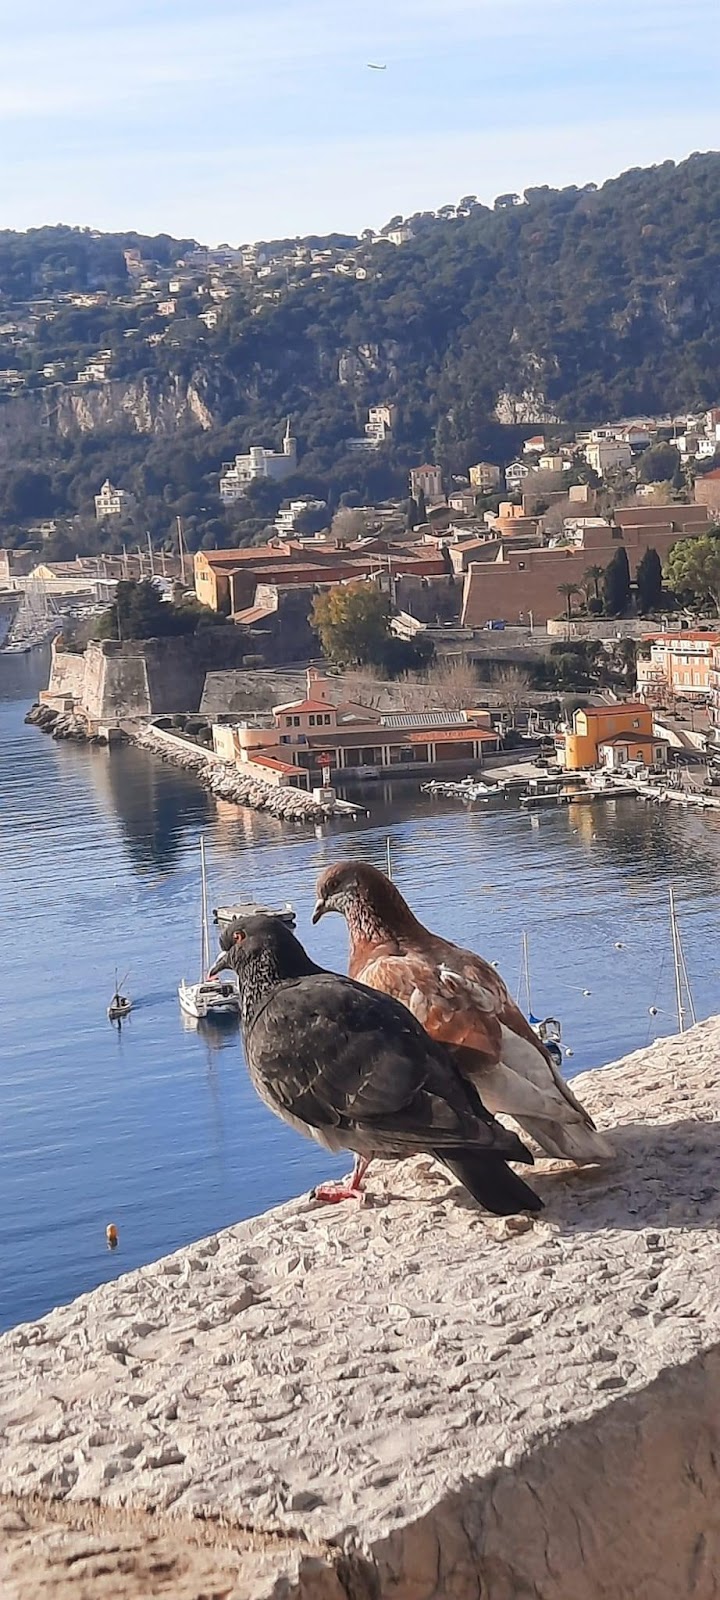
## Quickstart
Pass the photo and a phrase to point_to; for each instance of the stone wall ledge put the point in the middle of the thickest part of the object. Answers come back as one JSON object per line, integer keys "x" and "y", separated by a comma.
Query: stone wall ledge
{"x": 413, "y": 1400}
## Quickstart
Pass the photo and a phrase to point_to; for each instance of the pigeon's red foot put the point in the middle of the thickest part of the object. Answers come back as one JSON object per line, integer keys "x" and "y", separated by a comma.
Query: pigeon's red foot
{"x": 330, "y": 1194}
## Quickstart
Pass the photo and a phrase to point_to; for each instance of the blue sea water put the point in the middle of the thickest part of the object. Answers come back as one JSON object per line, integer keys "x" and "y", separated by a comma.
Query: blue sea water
{"x": 155, "y": 1126}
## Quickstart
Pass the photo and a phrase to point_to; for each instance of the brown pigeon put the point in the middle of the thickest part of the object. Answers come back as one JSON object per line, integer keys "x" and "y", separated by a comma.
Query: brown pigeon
{"x": 463, "y": 1003}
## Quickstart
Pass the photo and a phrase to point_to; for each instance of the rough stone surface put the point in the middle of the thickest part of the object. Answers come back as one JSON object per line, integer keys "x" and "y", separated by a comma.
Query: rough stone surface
{"x": 471, "y": 1407}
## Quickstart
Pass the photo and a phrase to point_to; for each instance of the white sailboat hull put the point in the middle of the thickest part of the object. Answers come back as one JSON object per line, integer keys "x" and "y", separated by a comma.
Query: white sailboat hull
{"x": 213, "y": 999}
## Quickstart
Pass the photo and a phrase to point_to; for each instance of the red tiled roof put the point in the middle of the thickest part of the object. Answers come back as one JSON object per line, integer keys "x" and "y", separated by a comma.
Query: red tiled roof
{"x": 632, "y": 738}
{"x": 303, "y": 706}
{"x": 254, "y": 614}
{"x": 451, "y": 735}
{"x": 260, "y": 760}
{"x": 685, "y": 633}
{"x": 616, "y": 709}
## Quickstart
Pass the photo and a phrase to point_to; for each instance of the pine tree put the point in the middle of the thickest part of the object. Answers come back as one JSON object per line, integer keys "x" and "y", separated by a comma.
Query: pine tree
{"x": 421, "y": 508}
{"x": 649, "y": 581}
{"x": 617, "y": 583}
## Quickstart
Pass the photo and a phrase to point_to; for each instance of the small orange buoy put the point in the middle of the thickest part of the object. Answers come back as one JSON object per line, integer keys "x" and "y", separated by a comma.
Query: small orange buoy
{"x": 111, "y": 1234}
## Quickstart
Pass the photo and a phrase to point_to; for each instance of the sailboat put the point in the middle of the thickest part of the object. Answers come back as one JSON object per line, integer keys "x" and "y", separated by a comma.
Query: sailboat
{"x": 213, "y": 999}
{"x": 548, "y": 1030}
{"x": 121, "y": 1005}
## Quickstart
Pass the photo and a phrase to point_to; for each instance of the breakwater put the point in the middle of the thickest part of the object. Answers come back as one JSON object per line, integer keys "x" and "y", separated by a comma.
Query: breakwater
{"x": 222, "y": 779}
{"x": 228, "y": 782}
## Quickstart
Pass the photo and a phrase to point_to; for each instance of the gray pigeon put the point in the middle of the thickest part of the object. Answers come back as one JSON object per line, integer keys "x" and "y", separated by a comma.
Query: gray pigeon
{"x": 351, "y": 1068}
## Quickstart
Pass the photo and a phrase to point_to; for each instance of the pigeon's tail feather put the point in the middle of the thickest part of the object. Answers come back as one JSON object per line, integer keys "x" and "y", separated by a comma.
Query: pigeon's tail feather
{"x": 568, "y": 1141}
{"x": 491, "y": 1181}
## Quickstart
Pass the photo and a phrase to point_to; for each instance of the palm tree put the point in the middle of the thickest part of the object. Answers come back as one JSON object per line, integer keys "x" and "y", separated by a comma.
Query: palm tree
{"x": 593, "y": 576}
{"x": 567, "y": 590}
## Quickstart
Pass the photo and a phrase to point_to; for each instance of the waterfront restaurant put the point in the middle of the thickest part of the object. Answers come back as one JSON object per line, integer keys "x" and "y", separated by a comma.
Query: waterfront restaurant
{"x": 302, "y": 739}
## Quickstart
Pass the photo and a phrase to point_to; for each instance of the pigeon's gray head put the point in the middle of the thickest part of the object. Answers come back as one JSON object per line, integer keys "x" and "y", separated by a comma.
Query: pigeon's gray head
{"x": 248, "y": 937}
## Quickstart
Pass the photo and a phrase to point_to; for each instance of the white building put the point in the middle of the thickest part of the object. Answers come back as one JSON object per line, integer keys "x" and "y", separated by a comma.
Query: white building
{"x": 273, "y": 465}
{"x": 607, "y": 455}
{"x": 378, "y": 428}
{"x": 288, "y": 514}
{"x": 94, "y": 371}
{"x": 514, "y": 475}
{"x": 112, "y": 502}
{"x": 400, "y": 235}
{"x": 429, "y": 479}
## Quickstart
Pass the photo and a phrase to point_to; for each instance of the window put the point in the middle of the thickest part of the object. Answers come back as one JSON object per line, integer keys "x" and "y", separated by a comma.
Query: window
{"x": 327, "y": 720}
{"x": 296, "y": 722}
{"x": 288, "y": 722}
{"x": 636, "y": 722}
{"x": 311, "y": 720}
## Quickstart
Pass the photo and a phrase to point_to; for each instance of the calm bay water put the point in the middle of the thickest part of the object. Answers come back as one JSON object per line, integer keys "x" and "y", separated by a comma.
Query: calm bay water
{"x": 155, "y": 1127}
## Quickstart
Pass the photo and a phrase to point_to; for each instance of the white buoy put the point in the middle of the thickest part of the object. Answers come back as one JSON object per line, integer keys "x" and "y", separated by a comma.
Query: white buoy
{"x": 619, "y": 944}
{"x": 496, "y": 965}
{"x": 652, "y": 1011}
{"x": 568, "y": 1051}
{"x": 587, "y": 992}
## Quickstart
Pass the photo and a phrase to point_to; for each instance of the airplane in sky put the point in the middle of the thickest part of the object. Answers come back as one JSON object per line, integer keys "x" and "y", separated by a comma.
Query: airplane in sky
{"x": 374, "y": 66}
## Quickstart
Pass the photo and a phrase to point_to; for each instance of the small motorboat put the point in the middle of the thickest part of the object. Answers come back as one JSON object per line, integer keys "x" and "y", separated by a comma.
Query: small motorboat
{"x": 224, "y": 915}
{"x": 121, "y": 1005}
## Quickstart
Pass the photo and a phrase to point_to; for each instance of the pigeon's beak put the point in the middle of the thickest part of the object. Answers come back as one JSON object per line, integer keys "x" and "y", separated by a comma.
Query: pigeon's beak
{"x": 320, "y": 909}
{"x": 221, "y": 965}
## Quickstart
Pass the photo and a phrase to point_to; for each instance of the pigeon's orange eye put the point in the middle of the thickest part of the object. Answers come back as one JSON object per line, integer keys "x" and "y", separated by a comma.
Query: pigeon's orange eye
{"x": 238, "y": 938}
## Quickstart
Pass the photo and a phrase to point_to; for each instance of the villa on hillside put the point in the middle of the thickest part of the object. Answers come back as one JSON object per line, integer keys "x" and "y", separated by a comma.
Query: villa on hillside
{"x": 272, "y": 465}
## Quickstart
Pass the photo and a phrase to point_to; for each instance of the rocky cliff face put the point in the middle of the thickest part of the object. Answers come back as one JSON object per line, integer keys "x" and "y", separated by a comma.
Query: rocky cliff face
{"x": 149, "y": 405}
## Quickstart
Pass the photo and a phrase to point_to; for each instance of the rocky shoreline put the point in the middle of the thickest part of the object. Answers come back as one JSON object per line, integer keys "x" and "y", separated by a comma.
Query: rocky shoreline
{"x": 406, "y": 1401}
{"x": 63, "y": 725}
{"x": 226, "y": 782}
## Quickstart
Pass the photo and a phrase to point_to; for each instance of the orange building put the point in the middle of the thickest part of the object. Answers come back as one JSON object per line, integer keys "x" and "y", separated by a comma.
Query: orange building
{"x": 679, "y": 664}
{"x": 595, "y": 730}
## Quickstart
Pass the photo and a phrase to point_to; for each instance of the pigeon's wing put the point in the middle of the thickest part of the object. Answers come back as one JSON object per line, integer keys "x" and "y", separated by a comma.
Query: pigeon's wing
{"x": 458, "y": 1013}
{"x": 336, "y": 1055}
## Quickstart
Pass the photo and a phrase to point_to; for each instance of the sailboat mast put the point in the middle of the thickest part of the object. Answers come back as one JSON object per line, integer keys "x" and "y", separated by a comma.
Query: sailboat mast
{"x": 526, "y": 971}
{"x": 676, "y": 963}
{"x": 205, "y": 939}
{"x": 388, "y": 856}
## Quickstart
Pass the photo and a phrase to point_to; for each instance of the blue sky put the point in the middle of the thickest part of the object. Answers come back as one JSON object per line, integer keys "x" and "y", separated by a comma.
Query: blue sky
{"x": 252, "y": 119}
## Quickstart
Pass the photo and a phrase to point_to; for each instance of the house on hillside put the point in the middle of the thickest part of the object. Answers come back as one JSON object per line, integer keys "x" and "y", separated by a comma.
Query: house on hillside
{"x": 427, "y": 478}
{"x": 514, "y": 475}
{"x": 707, "y": 490}
{"x": 272, "y": 465}
{"x": 112, "y": 502}
{"x": 485, "y": 477}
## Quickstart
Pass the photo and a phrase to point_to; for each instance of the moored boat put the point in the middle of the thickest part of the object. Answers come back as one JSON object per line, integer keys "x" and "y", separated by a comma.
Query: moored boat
{"x": 211, "y": 999}
{"x": 224, "y": 915}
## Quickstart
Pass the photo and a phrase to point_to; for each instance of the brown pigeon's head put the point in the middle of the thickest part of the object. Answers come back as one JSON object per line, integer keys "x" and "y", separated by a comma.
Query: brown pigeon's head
{"x": 362, "y": 894}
